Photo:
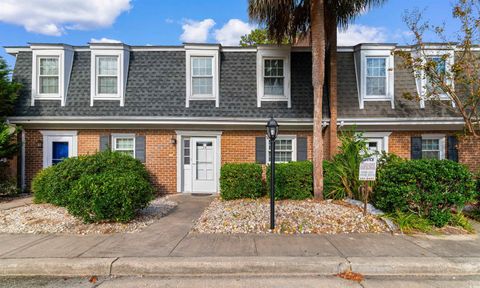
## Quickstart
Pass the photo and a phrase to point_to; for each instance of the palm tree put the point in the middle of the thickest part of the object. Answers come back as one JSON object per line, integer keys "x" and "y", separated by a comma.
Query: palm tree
{"x": 319, "y": 18}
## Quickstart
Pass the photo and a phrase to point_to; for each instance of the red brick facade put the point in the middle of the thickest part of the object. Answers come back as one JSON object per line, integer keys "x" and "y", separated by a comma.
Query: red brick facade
{"x": 236, "y": 147}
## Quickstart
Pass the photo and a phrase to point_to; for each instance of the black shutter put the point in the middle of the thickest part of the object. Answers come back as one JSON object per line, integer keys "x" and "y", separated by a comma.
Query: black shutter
{"x": 452, "y": 152}
{"x": 301, "y": 149}
{"x": 260, "y": 150}
{"x": 416, "y": 149}
{"x": 140, "y": 148}
{"x": 104, "y": 142}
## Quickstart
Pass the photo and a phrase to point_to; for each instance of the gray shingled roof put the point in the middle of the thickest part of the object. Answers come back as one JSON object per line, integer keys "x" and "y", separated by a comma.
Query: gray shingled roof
{"x": 156, "y": 87}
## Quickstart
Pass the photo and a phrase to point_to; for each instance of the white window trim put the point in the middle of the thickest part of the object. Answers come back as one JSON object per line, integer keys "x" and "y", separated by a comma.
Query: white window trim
{"x": 420, "y": 79}
{"x": 372, "y": 136}
{"x": 273, "y": 52}
{"x": 123, "y": 55}
{"x": 441, "y": 142}
{"x": 65, "y": 62}
{"x": 123, "y": 135}
{"x": 214, "y": 52}
{"x": 52, "y": 134}
{"x": 361, "y": 72}
{"x": 283, "y": 137}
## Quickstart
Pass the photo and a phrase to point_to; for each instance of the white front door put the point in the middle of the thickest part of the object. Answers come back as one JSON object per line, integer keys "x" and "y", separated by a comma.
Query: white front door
{"x": 203, "y": 161}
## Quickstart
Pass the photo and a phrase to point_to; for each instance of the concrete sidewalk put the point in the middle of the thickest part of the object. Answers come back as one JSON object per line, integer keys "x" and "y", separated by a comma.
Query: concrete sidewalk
{"x": 168, "y": 248}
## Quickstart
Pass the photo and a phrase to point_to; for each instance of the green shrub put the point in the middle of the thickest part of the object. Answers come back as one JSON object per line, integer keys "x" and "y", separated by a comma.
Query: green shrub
{"x": 293, "y": 180}
{"x": 428, "y": 188}
{"x": 109, "y": 196}
{"x": 341, "y": 174}
{"x": 53, "y": 184}
{"x": 103, "y": 186}
{"x": 241, "y": 180}
{"x": 8, "y": 187}
{"x": 408, "y": 222}
{"x": 461, "y": 221}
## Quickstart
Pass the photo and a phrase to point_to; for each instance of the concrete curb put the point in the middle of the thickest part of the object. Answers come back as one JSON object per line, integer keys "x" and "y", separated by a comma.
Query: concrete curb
{"x": 56, "y": 266}
{"x": 174, "y": 266}
{"x": 415, "y": 265}
{"x": 229, "y": 265}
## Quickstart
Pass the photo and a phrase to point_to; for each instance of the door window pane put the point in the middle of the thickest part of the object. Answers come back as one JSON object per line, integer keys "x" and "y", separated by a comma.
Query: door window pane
{"x": 205, "y": 159}
{"x": 59, "y": 152}
{"x": 273, "y": 77}
{"x": 376, "y": 76}
{"x": 186, "y": 151}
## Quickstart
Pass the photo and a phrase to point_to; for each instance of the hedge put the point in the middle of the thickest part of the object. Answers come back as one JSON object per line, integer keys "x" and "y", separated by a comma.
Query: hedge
{"x": 241, "y": 180}
{"x": 293, "y": 180}
{"x": 429, "y": 188}
{"x": 57, "y": 183}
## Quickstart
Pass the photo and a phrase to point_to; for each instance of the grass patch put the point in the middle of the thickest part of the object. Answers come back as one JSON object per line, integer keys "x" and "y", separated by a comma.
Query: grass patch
{"x": 461, "y": 221}
{"x": 409, "y": 222}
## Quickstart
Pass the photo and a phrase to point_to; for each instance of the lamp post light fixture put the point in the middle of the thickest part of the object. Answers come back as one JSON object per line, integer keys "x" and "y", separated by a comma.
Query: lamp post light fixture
{"x": 272, "y": 132}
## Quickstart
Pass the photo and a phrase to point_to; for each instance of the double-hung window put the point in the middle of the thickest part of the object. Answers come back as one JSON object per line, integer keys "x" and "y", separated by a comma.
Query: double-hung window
{"x": 124, "y": 144}
{"x": 107, "y": 75}
{"x": 376, "y": 77}
{"x": 285, "y": 149}
{"x": 202, "y": 76}
{"x": 431, "y": 148}
{"x": 440, "y": 70}
{"x": 273, "y": 77}
{"x": 48, "y": 75}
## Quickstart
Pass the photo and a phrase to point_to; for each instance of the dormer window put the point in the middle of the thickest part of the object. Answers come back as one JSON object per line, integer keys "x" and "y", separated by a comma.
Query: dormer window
{"x": 202, "y": 76}
{"x": 374, "y": 68}
{"x": 51, "y": 68}
{"x": 443, "y": 60}
{"x": 273, "y": 74}
{"x": 202, "y": 73}
{"x": 376, "y": 74}
{"x": 273, "y": 77}
{"x": 48, "y": 76}
{"x": 107, "y": 75}
{"x": 109, "y": 71}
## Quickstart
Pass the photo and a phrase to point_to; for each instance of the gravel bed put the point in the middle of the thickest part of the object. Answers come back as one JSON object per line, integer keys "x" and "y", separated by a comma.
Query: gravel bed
{"x": 306, "y": 217}
{"x": 47, "y": 218}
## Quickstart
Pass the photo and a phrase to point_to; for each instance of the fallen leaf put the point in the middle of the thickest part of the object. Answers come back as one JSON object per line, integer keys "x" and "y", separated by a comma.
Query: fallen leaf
{"x": 93, "y": 279}
{"x": 349, "y": 275}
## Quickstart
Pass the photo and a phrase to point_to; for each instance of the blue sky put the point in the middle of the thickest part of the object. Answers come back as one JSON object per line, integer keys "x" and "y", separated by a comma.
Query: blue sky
{"x": 171, "y": 22}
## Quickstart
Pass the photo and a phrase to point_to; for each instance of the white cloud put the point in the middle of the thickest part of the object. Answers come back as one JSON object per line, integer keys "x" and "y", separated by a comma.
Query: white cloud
{"x": 231, "y": 32}
{"x": 356, "y": 34}
{"x": 55, "y": 17}
{"x": 196, "y": 31}
{"x": 169, "y": 20}
{"x": 104, "y": 40}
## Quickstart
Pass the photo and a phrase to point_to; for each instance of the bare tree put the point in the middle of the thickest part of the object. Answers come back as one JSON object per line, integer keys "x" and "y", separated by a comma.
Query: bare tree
{"x": 448, "y": 73}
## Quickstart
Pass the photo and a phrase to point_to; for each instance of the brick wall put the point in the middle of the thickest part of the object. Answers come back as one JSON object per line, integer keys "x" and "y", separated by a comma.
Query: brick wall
{"x": 469, "y": 152}
{"x": 237, "y": 146}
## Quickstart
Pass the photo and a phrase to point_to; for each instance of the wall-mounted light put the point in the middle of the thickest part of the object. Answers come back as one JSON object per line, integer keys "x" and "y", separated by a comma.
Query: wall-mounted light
{"x": 39, "y": 143}
{"x": 173, "y": 141}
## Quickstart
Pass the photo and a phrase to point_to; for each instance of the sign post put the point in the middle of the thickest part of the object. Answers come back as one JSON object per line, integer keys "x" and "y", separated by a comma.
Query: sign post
{"x": 367, "y": 173}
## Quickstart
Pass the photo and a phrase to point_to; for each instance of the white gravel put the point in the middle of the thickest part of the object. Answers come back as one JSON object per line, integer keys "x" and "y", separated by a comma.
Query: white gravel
{"x": 308, "y": 216}
{"x": 47, "y": 218}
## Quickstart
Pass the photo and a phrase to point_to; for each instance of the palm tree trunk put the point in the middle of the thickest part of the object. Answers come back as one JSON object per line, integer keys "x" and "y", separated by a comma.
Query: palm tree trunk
{"x": 318, "y": 74}
{"x": 331, "y": 31}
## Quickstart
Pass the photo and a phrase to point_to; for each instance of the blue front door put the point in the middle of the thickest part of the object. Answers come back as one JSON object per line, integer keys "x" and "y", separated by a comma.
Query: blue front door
{"x": 59, "y": 151}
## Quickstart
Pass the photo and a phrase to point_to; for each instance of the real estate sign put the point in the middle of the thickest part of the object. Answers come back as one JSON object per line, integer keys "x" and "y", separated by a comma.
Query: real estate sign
{"x": 368, "y": 169}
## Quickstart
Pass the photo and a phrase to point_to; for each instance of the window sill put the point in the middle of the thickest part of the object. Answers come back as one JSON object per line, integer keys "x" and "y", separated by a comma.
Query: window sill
{"x": 202, "y": 97}
{"x": 274, "y": 98}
